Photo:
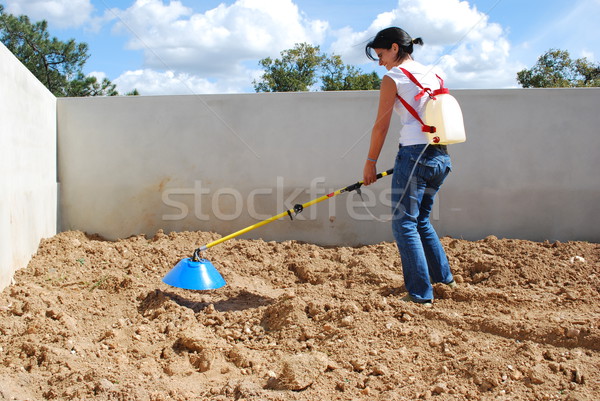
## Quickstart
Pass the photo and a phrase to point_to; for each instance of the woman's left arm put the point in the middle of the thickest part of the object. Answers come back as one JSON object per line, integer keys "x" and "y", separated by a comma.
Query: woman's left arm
{"x": 387, "y": 97}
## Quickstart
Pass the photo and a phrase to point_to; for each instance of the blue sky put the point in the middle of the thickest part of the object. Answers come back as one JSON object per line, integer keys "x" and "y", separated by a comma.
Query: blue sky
{"x": 166, "y": 47}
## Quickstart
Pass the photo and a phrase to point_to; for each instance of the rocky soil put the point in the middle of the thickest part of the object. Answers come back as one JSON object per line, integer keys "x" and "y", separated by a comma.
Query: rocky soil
{"x": 91, "y": 319}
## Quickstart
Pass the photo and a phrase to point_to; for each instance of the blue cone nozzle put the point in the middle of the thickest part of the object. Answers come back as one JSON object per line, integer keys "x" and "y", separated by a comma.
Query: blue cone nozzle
{"x": 191, "y": 275}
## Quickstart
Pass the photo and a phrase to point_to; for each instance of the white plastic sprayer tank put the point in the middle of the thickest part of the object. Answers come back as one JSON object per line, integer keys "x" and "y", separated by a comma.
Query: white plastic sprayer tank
{"x": 445, "y": 115}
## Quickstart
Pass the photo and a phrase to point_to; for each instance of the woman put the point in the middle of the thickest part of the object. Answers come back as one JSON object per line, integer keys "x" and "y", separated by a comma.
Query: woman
{"x": 423, "y": 258}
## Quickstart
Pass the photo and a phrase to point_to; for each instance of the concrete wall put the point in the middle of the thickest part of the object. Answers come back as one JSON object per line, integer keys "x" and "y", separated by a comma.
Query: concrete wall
{"x": 220, "y": 163}
{"x": 216, "y": 163}
{"x": 28, "y": 200}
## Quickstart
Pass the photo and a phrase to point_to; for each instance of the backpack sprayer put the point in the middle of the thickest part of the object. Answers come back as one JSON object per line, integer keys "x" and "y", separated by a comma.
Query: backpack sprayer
{"x": 444, "y": 118}
{"x": 444, "y": 126}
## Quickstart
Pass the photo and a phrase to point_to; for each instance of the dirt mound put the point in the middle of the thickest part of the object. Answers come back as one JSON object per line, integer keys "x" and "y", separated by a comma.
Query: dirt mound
{"x": 91, "y": 319}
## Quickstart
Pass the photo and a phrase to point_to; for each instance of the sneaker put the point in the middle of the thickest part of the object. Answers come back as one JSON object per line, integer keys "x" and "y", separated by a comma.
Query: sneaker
{"x": 452, "y": 284}
{"x": 409, "y": 298}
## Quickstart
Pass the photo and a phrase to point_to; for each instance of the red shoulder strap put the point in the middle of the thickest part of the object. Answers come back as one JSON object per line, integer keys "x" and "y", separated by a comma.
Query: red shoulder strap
{"x": 413, "y": 112}
{"x": 429, "y": 92}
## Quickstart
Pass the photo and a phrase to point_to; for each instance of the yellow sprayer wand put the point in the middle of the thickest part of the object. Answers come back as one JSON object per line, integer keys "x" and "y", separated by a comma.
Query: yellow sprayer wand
{"x": 199, "y": 274}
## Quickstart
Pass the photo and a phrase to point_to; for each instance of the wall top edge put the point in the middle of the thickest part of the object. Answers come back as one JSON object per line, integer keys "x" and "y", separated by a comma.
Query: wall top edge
{"x": 315, "y": 94}
{"x": 11, "y": 62}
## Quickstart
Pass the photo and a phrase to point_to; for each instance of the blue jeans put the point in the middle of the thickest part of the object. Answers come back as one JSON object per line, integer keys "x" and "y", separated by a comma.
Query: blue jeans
{"x": 423, "y": 258}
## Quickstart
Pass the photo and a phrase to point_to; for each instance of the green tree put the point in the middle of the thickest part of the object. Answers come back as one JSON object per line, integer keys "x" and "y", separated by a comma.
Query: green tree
{"x": 588, "y": 72}
{"x": 295, "y": 71}
{"x": 83, "y": 86}
{"x": 303, "y": 66}
{"x": 556, "y": 69}
{"x": 57, "y": 64}
{"x": 338, "y": 76}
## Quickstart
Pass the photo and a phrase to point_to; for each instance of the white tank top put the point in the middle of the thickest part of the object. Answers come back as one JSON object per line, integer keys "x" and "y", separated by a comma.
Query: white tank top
{"x": 410, "y": 133}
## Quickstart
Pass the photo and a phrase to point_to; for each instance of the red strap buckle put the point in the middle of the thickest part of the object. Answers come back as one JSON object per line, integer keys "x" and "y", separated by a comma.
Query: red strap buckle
{"x": 429, "y": 129}
{"x": 425, "y": 91}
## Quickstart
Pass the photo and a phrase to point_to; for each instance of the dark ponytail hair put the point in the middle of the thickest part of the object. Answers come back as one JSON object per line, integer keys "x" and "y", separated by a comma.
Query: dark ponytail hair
{"x": 385, "y": 38}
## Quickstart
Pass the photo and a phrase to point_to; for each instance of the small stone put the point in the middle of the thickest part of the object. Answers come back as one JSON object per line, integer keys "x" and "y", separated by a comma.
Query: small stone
{"x": 331, "y": 365}
{"x": 488, "y": 383}
{"x": 202, "y": 361}
{"x": 578, "y": 376}
{"x": 443, "y": 370}
{"x": 406, "y": 317}
{"x": 328, "y": 327}
{"x": 380, "y": 370}
{"x": 516, "y": 375}
{"x": 358, "y": 365}
{"x": 577, "y": 259}
{"x": 240, "y": 357}
{"x": 535, "y": 375}
{"x": 573, "y": 333}
{"x": 440, "y": 388}
{"x": 571, "y": 296}
{"x": 435, "y": 339}
{"x": 300, "y": 371}
{"x": 104, "y": 385}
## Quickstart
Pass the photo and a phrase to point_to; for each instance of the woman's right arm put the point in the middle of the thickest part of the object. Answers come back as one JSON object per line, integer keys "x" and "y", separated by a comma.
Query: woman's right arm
{"x": 387, "y": 97}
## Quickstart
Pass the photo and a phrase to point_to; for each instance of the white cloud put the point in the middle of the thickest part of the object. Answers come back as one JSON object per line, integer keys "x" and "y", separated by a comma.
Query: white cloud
{"x": 588, "y": 54}
{"x": 216, "y": 42}
{"x": 150, "y": 82}
{"x": 98, "y": 74}
{"x": 60, "y": 13}
{"x": 458, "y": 38}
